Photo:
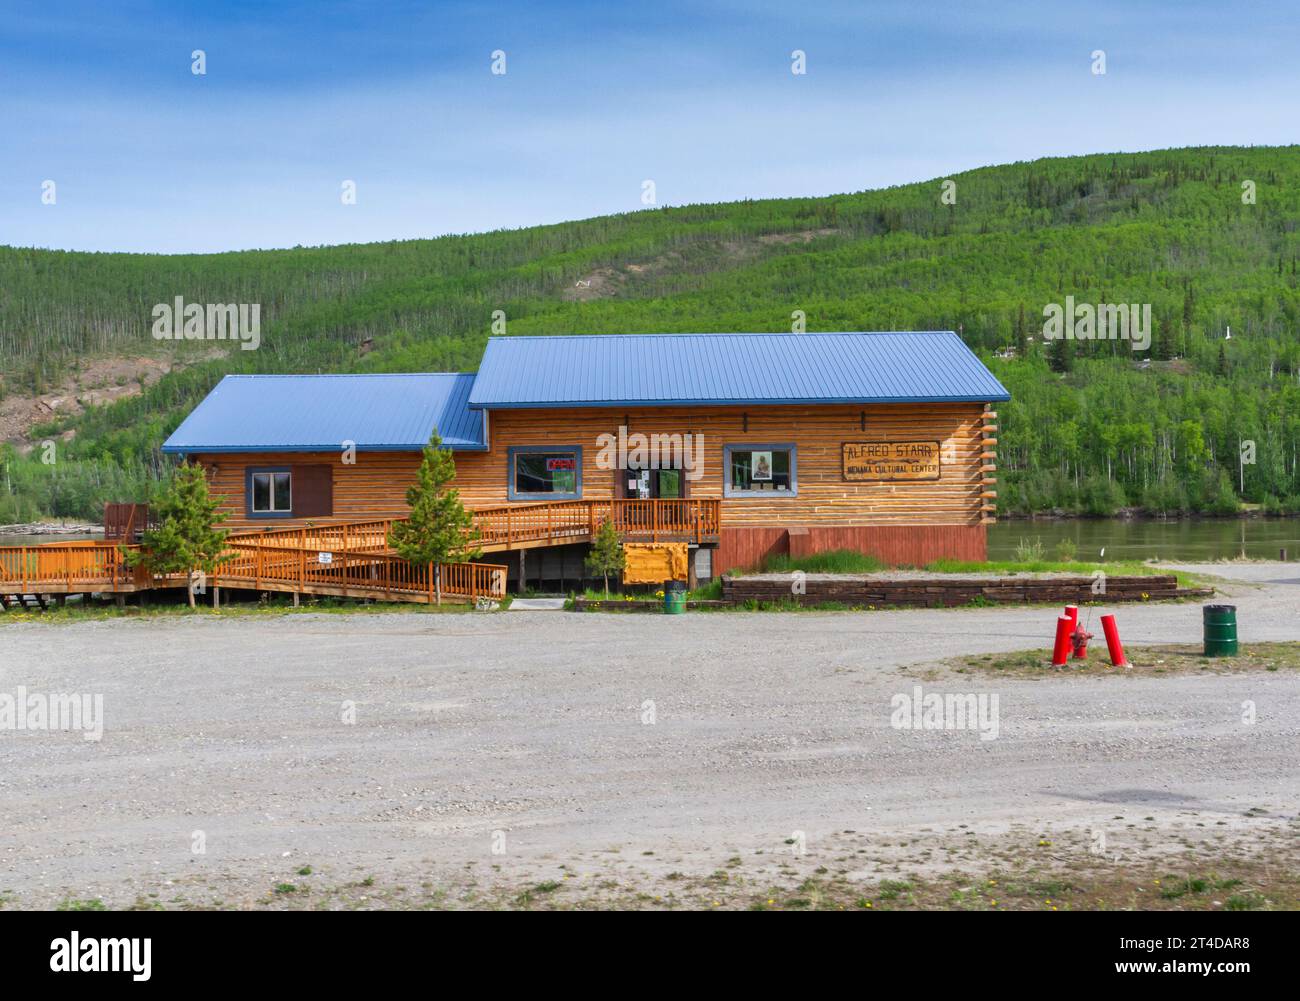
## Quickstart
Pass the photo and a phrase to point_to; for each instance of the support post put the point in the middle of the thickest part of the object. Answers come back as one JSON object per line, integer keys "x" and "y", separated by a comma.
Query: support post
{"x": 523, "y": 580}
{"x": 216, "y": 598}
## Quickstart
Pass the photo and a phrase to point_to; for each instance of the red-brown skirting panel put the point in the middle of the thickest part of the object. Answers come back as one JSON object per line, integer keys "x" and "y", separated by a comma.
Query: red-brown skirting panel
{"x": 748, "y": 547}
{"x": 893, "y": 545}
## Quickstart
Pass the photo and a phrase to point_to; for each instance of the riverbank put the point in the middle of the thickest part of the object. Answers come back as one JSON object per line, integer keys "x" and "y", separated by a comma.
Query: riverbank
{"x": 1246, "y": 511}
{"x": 43, "y": 528}
{"x": 1192, "y": 539}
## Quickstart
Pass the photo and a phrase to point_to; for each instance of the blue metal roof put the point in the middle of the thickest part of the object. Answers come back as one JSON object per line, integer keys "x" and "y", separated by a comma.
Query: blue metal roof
{"x": 694, "y": 369}
{"x": 317, "y": 413}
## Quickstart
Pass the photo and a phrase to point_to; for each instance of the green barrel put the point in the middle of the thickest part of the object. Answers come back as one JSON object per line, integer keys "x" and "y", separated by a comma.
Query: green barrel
{"x": 1220, "y": 630}
{"x": 674, "y": 597}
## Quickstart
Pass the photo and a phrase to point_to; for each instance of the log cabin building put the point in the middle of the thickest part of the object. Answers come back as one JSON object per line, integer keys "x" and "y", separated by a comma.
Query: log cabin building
{"x": 739, "y": 446}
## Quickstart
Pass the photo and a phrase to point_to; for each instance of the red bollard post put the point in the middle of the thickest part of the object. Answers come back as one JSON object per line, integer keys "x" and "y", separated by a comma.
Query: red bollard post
{"x": 1113, "y": 645}
{"x": 1073, "y": 612}
{"x": 1062, "y": 648}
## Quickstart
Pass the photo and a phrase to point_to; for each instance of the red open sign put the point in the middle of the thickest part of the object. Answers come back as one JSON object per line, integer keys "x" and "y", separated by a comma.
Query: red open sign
{"x": 556, "y": 464}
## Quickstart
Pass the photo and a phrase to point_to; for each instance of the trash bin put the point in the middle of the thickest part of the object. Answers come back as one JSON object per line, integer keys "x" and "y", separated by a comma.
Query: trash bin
{"x": 674, "y": 597}
{"x": 1220, "y": 623}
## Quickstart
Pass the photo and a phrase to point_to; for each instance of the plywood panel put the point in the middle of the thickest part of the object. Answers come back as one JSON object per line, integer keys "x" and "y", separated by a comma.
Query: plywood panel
{"x": 654, "y": 563}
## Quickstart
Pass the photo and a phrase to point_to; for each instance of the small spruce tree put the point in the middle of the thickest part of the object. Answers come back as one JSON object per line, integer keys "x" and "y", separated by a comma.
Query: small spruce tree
{"x": 607, "y": 554}
{"x": 186, "y": 539}
{"x": 438, "y": 529}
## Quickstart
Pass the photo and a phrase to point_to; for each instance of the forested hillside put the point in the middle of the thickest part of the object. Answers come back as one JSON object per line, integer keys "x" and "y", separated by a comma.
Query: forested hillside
{"x": 1092, "y": 426}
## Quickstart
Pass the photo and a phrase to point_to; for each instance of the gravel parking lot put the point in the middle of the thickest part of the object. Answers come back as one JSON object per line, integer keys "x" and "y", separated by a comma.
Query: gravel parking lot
{"x": 509, "y": 748}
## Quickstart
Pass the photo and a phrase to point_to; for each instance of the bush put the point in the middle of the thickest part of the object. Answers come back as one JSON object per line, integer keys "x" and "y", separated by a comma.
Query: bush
{"x": 1168, "y": 496}
{"x": 1288, "y": 505}
{"x": 1029, "y": 551}
{"x": 1101, "y": 497}
{"x": 1215, "y": 493}
{"x": 1065, "y": 550}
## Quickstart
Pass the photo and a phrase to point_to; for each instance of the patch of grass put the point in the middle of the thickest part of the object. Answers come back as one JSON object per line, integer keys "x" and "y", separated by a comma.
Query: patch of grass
{"x": 1173, "y": 888}
{"x": 1152, "y": 660}
{"x": 831, "y": 561}
{"x": 73, "y": 904}
{"x": 283, "y": 888}
{"x": 281, "y": 605}
{"x": 712, "y": 591}
{"x": 540, "y": 890}
{"x": 1117, "y": 568}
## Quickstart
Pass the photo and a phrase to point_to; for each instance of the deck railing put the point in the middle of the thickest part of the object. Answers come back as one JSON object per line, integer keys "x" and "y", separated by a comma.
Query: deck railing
{"x": 290, "y": 568}
{"x": 91, "y": 566}
{"x": 655, "y": 520}
{"x": 66, "y": 565}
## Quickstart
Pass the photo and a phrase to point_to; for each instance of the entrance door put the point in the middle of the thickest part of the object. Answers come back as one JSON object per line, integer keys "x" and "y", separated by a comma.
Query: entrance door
{"x": 653, "y": 484}
{"x": 668, "y": 483}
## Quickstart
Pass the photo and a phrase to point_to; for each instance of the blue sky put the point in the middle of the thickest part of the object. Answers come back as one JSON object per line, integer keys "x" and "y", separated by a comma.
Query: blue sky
{"x": 598, "y": 97}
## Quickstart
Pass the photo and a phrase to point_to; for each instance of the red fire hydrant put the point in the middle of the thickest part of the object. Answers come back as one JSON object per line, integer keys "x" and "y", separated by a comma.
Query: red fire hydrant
{"x": 1079, "y": 640}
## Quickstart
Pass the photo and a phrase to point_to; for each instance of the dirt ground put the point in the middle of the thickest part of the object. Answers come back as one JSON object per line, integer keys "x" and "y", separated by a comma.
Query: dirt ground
{"x": 728, "y": 759}
{"x": 98, "y": 382}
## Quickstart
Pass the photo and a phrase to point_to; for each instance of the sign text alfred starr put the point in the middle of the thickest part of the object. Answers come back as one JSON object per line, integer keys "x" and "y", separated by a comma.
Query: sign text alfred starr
{"x": 891, "y": 460}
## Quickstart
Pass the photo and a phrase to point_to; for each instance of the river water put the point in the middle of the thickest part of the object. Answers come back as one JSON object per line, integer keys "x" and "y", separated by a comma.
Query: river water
{"x": 1189, "y": 539}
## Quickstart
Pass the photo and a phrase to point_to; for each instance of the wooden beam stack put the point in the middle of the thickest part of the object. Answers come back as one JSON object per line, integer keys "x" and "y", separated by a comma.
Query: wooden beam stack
{"x": 940, "y": 592}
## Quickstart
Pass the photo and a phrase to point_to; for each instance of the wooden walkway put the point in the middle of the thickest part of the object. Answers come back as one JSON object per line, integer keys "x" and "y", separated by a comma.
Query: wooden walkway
{"x": 353, "y": 559}
{"x": 41, "y": 572}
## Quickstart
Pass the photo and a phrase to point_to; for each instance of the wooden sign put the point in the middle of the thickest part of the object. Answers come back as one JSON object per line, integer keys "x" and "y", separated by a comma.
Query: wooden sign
{"x": 866, "y": 461}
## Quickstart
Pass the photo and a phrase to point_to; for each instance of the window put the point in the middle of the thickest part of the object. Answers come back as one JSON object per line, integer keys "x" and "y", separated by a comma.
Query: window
{"x": 760, "y": 470}
{"x": 545, "y": 473}
{"x": 270, "y": 493}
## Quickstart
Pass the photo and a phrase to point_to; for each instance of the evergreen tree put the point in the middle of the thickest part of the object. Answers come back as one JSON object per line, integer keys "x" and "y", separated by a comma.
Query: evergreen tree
{"x": 438, "y": 530}
{"x": 1061, "y": 354}
{"x": 186, "y": 539}
{"x": 607, "y": 554}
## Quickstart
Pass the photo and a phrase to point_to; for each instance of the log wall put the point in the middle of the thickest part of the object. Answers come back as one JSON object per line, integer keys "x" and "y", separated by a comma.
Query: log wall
{"x": 375, "y": 486}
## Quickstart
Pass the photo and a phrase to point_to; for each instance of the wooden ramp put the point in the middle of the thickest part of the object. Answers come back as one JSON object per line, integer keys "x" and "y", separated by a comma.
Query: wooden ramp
{"x": 31, "y": 575}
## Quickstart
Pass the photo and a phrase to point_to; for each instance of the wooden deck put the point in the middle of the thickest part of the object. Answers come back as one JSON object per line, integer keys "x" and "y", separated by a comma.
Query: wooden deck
{"x": 353, "y": 559}
{"x": 522, "y": 526}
